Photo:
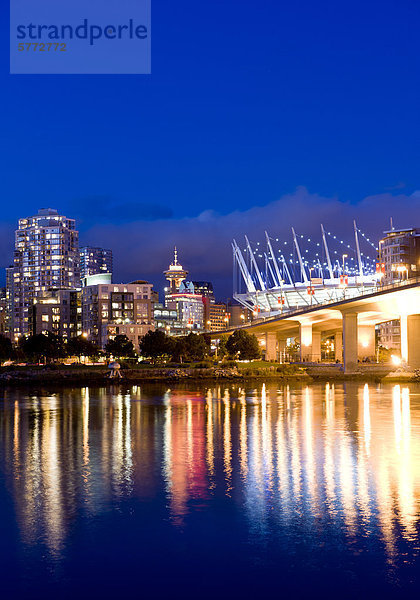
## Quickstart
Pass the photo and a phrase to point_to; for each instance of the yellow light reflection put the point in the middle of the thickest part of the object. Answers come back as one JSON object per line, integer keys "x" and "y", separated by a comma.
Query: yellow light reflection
{"x": 209, "y": 440}
{"x": 227, "y": 443}
{"x": 396, "y": 405}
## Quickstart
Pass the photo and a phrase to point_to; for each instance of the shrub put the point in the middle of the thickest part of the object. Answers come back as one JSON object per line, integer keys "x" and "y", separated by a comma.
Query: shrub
{"x": 229, "y": 363}
{"x": 205, "y": 364}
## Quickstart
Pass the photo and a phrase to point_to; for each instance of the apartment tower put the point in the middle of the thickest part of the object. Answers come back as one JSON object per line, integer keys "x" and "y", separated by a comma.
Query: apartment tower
{"x": 95, "y": 261}
{"x": 46, "y": 258}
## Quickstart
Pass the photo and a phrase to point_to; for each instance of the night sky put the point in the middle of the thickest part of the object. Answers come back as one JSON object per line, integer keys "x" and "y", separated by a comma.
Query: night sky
{"x": 257, "y": 115}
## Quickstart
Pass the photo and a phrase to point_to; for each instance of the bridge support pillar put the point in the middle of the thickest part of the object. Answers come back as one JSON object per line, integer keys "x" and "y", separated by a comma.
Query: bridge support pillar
{"x": 310, "y": 343}
{"x": 410, "y": 336}
{"x": 270, "y": 346}
{"x": 316, "y": 346}
{"x": 366, "y": 341}
{"x": 350, "y": 342}
{"x": 305, "y": 338}
{"x": 282, "y": 349}
{"x": 338, "y": 346}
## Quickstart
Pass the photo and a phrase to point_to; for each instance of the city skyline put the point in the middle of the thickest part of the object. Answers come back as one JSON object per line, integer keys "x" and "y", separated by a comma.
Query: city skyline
{"x": 55, "y": 286}
{"x": 212, "y": 261}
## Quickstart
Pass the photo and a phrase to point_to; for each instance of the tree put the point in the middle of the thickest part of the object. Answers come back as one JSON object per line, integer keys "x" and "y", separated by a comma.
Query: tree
{"x": 192, "y": 347}
{"x": 384, "y": 354}
{"x": 156, "y": 344}
{"x": 43, "y": 345}
{"x": 6, "y": 348}
{"x": 80, "y": 346}
{"x": 196, "y": 347}
{"x": 120, "y": 346}
{"x": 221, "y": 347}
{"x": 243, "y": 345}
{"x": 293, "y": 351}
{"x": 178, "y": 349}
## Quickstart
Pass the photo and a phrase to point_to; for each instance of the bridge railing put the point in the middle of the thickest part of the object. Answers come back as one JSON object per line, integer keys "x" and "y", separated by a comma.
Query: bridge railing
{"x": 296, "y": 311}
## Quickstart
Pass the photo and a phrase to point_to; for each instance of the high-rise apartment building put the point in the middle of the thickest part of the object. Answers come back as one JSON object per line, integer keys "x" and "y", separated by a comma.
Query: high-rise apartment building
{"x": 94, "y": 261}
{"x": 46, "y": 257}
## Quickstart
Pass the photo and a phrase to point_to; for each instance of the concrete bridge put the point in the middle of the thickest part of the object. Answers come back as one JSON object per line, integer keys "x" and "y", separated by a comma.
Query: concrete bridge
{"x": 352, "y": 323}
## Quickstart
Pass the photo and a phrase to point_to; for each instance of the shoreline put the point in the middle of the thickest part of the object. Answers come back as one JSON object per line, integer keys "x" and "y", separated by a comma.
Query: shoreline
{"x": 82, "y": 376}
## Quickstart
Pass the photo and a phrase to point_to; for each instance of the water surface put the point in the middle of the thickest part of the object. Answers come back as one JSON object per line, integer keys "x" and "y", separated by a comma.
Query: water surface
{"x": 193, "y": 491}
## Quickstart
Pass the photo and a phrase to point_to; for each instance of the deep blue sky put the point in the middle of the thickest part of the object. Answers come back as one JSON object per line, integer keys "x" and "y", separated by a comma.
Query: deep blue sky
{"x": 246, "y": 102}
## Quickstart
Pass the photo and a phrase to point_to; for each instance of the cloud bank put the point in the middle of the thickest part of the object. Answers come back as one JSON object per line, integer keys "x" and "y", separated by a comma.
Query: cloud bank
{"x": 143, "y": 248}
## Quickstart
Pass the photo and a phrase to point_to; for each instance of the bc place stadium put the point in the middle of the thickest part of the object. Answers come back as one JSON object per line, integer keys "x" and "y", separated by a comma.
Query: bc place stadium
{"x": 279, "y": 276}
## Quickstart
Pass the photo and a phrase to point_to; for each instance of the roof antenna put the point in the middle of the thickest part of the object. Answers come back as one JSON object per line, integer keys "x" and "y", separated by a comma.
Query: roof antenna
{"x": 392, "y": 224}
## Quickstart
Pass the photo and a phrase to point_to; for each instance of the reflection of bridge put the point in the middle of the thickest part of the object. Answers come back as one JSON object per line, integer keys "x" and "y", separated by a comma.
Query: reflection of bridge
{"x": 352, "y": 322}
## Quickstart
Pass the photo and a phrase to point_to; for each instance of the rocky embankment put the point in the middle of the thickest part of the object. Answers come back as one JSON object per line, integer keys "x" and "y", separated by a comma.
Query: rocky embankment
{"x": 87, "y": 376}
{"x": 84, "y": 375}
{"x": 363, "y": 372}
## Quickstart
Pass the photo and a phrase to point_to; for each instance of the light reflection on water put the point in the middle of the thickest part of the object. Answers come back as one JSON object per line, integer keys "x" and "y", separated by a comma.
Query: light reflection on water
{"x": 326, "y": 464}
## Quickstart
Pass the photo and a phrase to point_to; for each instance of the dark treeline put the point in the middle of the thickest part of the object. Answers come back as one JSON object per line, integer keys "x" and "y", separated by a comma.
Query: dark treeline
{"x": 155, "y": 346}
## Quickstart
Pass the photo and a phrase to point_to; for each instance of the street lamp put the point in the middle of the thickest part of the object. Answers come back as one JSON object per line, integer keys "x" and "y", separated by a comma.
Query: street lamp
{"x": 344, "y": 277}
{"x": 344, "y": 257}
{"x": 226, "y": 320}
{"x": 311, "y": 293}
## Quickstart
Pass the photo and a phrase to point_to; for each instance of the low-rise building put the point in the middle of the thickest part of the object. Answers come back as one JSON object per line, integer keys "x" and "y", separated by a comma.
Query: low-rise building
{"x": 223, "y": 316}
{"x": 399, "y": 260}
{"x": 189, "y": 308}
{"x": 399, "y": 253}
{"x": 57, "y": 311}
{"x": 166, "y": 319}
{"x": 389, "y": 335}
{"x": 238, "y": 315}
{"x": 218, "y": 319}
{"x": 109, "y": 310}
{"x": 3, "y": 312}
